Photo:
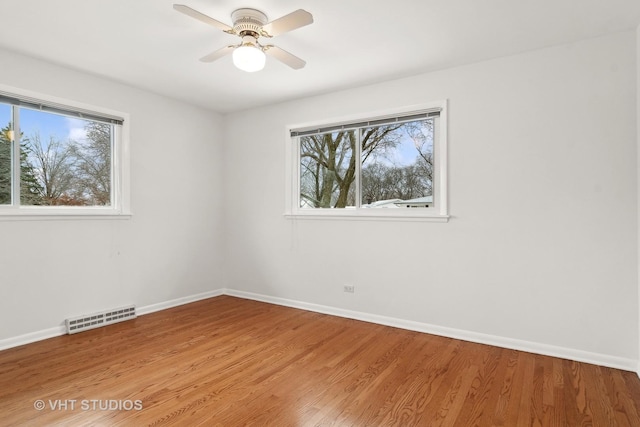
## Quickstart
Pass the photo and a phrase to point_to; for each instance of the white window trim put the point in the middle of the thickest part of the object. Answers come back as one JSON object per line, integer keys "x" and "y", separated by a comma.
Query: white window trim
{"x": 292, "y": 175}
{"x": 120, "y": 165}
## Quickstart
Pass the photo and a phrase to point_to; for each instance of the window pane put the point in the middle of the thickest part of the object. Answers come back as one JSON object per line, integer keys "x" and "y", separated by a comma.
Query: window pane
{"x": 328, "y": 170}
{"x": 6, "y": 136}
{"x": 65, "y": 161}
{"x": 397, "y": 165}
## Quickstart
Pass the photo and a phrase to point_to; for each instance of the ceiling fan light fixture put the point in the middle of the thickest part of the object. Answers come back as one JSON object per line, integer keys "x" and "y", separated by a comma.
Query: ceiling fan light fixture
{"x": 251, "y": 25}
{"x": 249, "y": 58}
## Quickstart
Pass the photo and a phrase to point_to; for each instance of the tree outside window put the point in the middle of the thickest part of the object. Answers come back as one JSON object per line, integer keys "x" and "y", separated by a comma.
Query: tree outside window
{"x": 390, "y": 165}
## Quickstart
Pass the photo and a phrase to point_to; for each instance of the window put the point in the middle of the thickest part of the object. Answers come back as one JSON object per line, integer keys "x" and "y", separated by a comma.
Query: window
{"x": 391, "y": 165}
{"x": 60, "y": 158}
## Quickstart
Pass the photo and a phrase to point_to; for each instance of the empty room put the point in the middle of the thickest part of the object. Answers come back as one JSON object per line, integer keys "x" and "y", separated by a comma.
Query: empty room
{"x": 336, "y": 213}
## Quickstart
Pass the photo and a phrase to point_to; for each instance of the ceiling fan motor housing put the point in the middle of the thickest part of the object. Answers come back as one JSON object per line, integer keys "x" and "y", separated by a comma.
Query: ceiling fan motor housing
{"x": 248, "y": 22}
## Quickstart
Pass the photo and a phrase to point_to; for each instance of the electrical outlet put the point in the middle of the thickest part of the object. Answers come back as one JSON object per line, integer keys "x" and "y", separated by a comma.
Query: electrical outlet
{"x": 349, "y": 288}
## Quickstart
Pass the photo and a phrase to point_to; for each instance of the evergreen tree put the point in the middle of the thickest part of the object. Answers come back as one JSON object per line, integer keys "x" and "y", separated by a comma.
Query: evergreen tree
{"x": 5, "y": 167}
{"x": 29, "y": 187}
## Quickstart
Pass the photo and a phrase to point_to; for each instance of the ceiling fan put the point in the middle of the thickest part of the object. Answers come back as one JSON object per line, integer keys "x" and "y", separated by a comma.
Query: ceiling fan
{"x": 250, "y": 25}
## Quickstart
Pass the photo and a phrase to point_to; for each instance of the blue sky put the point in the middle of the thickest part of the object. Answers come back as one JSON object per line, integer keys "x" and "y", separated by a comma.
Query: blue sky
{"x": 47, "y": 124}
{"x": 405, "y": 152}
{"x": 5, "y": 115}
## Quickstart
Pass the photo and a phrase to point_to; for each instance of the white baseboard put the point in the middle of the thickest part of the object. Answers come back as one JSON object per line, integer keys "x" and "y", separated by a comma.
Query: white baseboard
{"x": 140, "y": 311}
{"x": 531, "y": 347}
{"x": 510, "y": 343}
{"x": 32, "y": 337}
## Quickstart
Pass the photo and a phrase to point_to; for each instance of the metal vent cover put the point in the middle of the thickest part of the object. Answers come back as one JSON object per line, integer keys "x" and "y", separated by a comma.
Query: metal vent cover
{"x": 103, "y": 318}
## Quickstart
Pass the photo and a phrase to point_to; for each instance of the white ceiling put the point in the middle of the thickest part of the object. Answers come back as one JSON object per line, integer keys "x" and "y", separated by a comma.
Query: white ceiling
{"x": 145, "y": 43}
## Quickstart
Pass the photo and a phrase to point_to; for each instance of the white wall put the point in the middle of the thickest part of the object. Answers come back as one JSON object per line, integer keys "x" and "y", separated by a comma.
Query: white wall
{"x": 638, "y": 168}
{"x": 50, "y": 270}
{"x": 542, "y": 245}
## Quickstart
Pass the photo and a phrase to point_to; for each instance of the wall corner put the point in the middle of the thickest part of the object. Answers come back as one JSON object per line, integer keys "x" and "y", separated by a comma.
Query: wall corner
{"x": 638, "y": 179}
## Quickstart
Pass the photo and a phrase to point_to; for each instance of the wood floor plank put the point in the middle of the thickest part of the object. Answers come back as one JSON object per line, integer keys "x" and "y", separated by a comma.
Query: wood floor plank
{"x": 506, "y": 408}
{"x": 525, "y": 407}
{"x": 627, "y": 392}
{"x": 481, "y": 389}
{"x": 560, "y": 413}
{"x": 407, "y": 403}
{"x": 232, "y": 362}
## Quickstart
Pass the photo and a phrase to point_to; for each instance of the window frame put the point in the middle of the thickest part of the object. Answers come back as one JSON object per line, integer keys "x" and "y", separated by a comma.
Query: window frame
{"x": 438, "y": 213}
{"x": 120, "y": 158}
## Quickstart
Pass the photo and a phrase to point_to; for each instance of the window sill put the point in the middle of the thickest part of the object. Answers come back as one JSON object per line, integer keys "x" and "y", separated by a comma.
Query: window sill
{"x": 367, "y": 215}
{"x": 61, "y": 214}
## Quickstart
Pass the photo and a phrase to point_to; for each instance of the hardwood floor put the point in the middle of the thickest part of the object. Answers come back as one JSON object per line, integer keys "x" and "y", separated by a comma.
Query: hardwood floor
{"x": 232, "y": 362}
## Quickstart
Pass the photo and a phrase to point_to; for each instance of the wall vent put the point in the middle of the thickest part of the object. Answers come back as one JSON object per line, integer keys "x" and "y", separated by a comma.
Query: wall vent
{"x": 96, "y": 320}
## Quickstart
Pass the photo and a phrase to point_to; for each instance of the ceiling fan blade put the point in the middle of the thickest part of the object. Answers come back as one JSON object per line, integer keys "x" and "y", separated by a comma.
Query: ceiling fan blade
{"x": 289, "y": 22}
{"x": 201, "y": 17}
{"x": 285, "y": 57}
{"x": 217, "y": 54}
